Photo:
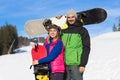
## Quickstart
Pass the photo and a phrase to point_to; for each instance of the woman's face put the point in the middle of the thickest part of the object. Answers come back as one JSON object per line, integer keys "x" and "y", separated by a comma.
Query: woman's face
{"x": 53, "y": 33}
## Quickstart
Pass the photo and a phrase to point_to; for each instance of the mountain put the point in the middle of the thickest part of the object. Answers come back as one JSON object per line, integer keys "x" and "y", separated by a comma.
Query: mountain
{"x": 103, "y": 64}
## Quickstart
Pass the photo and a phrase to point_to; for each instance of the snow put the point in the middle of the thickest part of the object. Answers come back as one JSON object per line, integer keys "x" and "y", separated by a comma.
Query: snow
{"x": 103, "y": 64}
{"x": 16, "y": 66}
{"x": 104, "y": 59}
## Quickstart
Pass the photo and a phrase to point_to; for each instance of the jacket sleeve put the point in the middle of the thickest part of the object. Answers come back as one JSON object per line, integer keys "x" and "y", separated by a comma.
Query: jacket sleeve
{"x": 53, "y": 54}
{"x": 86, "y": 47}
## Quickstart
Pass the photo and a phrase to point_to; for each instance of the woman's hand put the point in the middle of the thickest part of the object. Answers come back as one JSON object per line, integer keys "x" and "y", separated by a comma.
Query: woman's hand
{"x": 35, "y": 62}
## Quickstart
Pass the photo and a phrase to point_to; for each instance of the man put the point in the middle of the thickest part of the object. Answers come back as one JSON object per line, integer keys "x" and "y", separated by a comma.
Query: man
{"x": 76, "y": 40}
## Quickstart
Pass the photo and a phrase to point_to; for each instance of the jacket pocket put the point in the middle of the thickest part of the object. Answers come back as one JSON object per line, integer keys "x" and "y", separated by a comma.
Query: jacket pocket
{"x": 72, "y": 57}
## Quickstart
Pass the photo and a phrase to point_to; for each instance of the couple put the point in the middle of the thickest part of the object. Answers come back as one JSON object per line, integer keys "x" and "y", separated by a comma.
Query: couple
{"x": 67, "y": 50}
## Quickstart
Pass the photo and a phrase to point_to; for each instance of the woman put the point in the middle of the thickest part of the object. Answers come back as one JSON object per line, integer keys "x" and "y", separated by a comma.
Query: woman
{"x": 55, "y": 53}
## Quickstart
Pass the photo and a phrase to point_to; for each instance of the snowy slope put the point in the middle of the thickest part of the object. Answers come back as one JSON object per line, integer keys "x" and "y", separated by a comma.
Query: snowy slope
{"x": 16, "y": 66}
{"x": 104, "y": 61}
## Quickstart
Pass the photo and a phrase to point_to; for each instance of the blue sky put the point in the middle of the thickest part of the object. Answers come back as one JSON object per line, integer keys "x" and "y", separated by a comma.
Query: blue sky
{"x": 17, "y": 12}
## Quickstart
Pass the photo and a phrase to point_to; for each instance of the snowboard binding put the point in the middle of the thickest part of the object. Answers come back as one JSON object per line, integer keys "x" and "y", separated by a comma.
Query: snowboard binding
{"x": 41, "y": 72}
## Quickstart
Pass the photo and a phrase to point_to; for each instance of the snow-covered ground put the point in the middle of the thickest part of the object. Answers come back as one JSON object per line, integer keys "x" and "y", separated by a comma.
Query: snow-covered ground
{"x": 104, "y": 61}
{"x": 16, "y": 66}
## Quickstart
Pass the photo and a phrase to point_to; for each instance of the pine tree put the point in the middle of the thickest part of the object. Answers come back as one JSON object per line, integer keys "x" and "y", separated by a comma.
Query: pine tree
{"x": 119, "y": 25}
{"x": 114, "y": 28}
{"x": 9, "y": 35}
{"x": 0, "y": 41}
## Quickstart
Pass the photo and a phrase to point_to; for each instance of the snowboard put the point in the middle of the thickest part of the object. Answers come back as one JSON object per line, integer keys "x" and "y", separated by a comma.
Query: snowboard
{"x": 92, "y": 16}
{"x": 87, "y": 17}
{"x": 41, "y": 71}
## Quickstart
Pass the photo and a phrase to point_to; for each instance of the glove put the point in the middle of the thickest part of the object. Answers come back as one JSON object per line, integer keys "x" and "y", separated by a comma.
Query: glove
{"x": 47, "y": 22}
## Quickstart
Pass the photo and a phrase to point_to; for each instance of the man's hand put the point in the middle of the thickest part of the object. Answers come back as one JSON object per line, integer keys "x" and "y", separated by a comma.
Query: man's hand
{"x": 81, "y": 69}
{"x": 58, "y": 16}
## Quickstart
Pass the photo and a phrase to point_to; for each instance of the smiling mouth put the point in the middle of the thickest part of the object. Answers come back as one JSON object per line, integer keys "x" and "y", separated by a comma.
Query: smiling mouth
{"x": 52, "y": 34}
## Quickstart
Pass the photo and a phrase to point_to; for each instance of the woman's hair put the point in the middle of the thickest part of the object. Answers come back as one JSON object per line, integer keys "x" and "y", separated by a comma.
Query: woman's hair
{"x": 55, "y": 27}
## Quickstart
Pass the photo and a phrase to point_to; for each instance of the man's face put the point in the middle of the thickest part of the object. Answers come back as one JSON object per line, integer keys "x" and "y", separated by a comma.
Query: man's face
{"x": 71, "y": 19}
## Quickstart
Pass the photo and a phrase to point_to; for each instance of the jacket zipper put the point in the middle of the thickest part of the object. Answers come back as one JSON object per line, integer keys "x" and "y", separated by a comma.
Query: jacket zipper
{"x": 67, "y": 40}
{"x": 70, "y": 38}
{"x": 77, "y": 56}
